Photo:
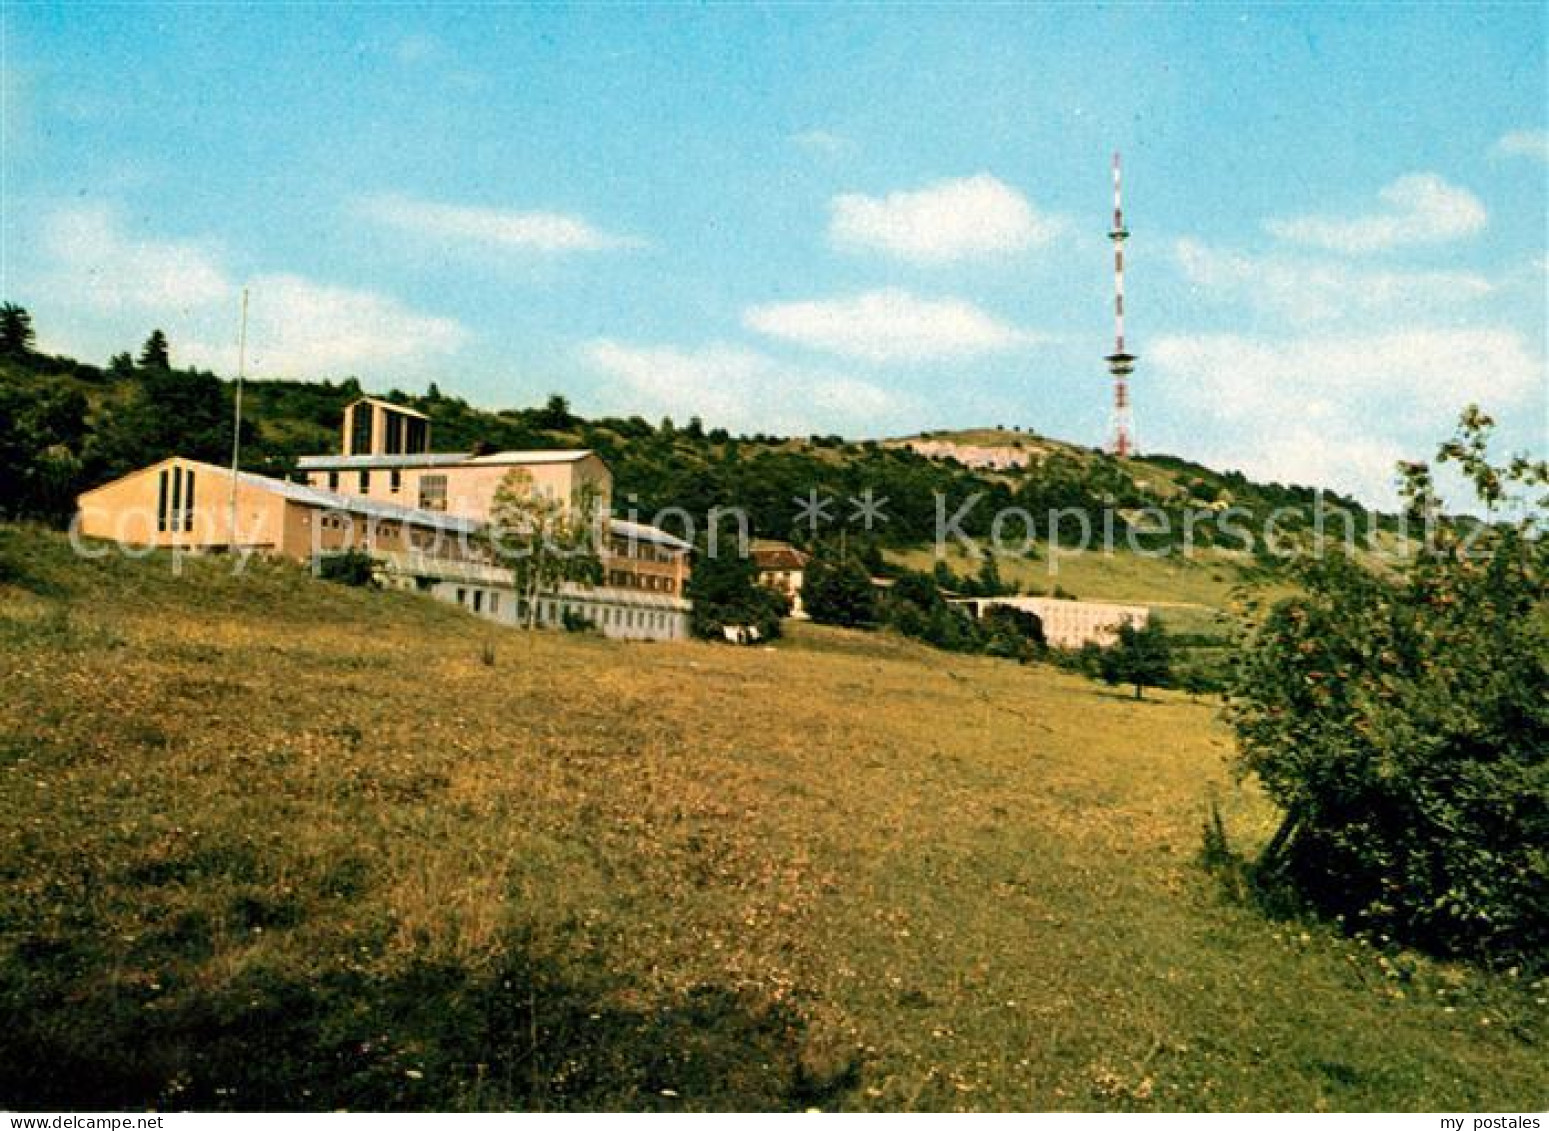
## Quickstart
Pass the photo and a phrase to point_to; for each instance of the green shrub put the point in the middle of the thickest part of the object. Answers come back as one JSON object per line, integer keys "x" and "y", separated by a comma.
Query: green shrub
{"x": 1141, "y": 656}
{"x": 1400, "y": 720}
{"x": 725, "y": 593}
{"x": 837, "y": 590}
{"x": 352, "y": 567}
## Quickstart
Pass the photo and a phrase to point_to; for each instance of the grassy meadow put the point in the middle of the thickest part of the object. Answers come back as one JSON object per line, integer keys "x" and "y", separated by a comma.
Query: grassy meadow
{"x": 266, "y": 842}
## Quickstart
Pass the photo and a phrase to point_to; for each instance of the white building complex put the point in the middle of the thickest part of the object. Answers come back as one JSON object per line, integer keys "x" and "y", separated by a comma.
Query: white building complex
{"x": 1070, "y": 624}
{"x": 418, "y": 513}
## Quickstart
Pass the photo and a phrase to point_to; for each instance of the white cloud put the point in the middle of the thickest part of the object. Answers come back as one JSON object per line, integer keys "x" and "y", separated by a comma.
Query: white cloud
{"x": 1420, "y": 209}
{"x": 1314, "y": 456}
{"x": 887, "y": 325}
{"x": 298, "y": 327}
{"x": 98, "y": 266}
{"x": 1306, "y": 290}
{"x": 740, "y": 389}
{"x": 1424, "y": 368}
{"x": 1523, "y": 143}
{"x": 498, "y": 227}
{"x": 950, "y": 220}
{"x": 1334, "y": 410}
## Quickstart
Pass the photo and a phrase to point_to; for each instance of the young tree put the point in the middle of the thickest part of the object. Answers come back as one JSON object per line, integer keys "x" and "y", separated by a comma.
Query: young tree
{"x": 544, "y": 541}
{"x": 1141, "y": 656}
{"x": 1399, "y": 719}
{"x": 990, "y": 583}
{"x": 155, "y": 353}
{"x": 16, "y": 332}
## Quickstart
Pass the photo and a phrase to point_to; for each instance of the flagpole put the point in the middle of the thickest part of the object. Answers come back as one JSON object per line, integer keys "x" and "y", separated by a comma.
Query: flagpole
{"x": 236, "y": 430}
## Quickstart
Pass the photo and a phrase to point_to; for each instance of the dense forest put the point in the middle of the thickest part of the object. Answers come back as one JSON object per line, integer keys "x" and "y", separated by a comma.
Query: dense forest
{"x": 66, "y": 426}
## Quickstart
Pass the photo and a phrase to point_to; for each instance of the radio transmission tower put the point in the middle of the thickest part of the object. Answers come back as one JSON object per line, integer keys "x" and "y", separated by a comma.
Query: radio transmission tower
{"x": 1121, "y": 364}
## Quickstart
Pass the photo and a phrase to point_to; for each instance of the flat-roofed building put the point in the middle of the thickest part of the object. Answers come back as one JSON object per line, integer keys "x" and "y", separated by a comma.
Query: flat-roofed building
{"x": 460, "y": 482}
{"x": 640, "y": 597}
{"x": 419, "y": 513}
{"x": 1070, "y": 624}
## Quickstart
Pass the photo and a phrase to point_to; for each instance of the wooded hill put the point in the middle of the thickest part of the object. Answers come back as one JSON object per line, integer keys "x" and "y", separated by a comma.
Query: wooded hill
{"x": 66, "y": 426}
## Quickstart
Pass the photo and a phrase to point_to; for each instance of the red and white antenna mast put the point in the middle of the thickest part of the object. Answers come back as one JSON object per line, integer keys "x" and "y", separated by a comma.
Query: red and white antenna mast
{"x": 1121, "y": 364}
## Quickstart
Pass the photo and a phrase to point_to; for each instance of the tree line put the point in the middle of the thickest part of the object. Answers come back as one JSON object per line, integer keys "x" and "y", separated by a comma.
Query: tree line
{"x": 70, "y": 426}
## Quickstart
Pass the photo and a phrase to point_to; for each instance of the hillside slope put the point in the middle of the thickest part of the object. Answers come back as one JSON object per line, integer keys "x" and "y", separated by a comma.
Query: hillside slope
{"x": 108, "y": 422}
{"x": 272, "y": 843}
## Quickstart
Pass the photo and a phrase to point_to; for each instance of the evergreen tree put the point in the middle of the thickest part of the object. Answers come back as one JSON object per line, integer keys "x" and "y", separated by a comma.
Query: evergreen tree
{"x": 156, "y": 354}
{"x": 990, "y": 583}
{"x": 16, "y": 332}
{"x": 555, "y": 414}
{"x": 172, "y": 412}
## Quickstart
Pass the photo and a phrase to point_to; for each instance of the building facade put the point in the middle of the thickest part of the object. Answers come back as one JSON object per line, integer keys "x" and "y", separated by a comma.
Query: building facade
{"x": 419, "y": 513}
{"x": 1070, "y": 624}
{"x": 188, "y": 505}
{"x": 783, "y": 568}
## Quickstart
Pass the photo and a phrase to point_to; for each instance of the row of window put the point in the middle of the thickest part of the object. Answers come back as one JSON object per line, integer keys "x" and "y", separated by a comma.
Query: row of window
{"x": 487, "y": 601}
{"x": 554, "y": 612}
{"x": 403, "y": 434}
{"x": 381, "y": 528}
{"x": 418, "y": 537}
{"x": 478, "y": 604}
{"x": 394, "y": 482}
{"x": 175, "y": 499}
{"x": 628, "y": 579}
{"x": 644, "y": 551}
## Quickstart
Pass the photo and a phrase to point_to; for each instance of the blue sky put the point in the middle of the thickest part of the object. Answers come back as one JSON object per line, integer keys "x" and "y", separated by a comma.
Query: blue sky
{"x": 868, "y": 219}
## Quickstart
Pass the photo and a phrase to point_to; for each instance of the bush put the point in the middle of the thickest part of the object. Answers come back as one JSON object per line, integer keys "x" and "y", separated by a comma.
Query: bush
{"x": 725, "y": 593}
{"x": 838, "y": 590}
{"x": 1013, "y": 633}
{"x": 1399, "y": 718}
{"x": 352, "y": 567}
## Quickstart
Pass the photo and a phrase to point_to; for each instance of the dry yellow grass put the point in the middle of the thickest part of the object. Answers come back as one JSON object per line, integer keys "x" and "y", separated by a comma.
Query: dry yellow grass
{"x": 923, "y": 880}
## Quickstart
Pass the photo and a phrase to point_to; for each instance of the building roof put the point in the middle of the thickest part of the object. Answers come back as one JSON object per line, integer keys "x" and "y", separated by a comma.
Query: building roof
{"x": 388, "y": 404}
{"x": 315, "y": 497}
{"x": 640, "y": 532}
{"x": 439, "y": 459}
{"x": 354, "y": 463}
{"x": 358, "y": 504}
{"x": 559, "y": 456}
{"x": 778, "y": 555}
